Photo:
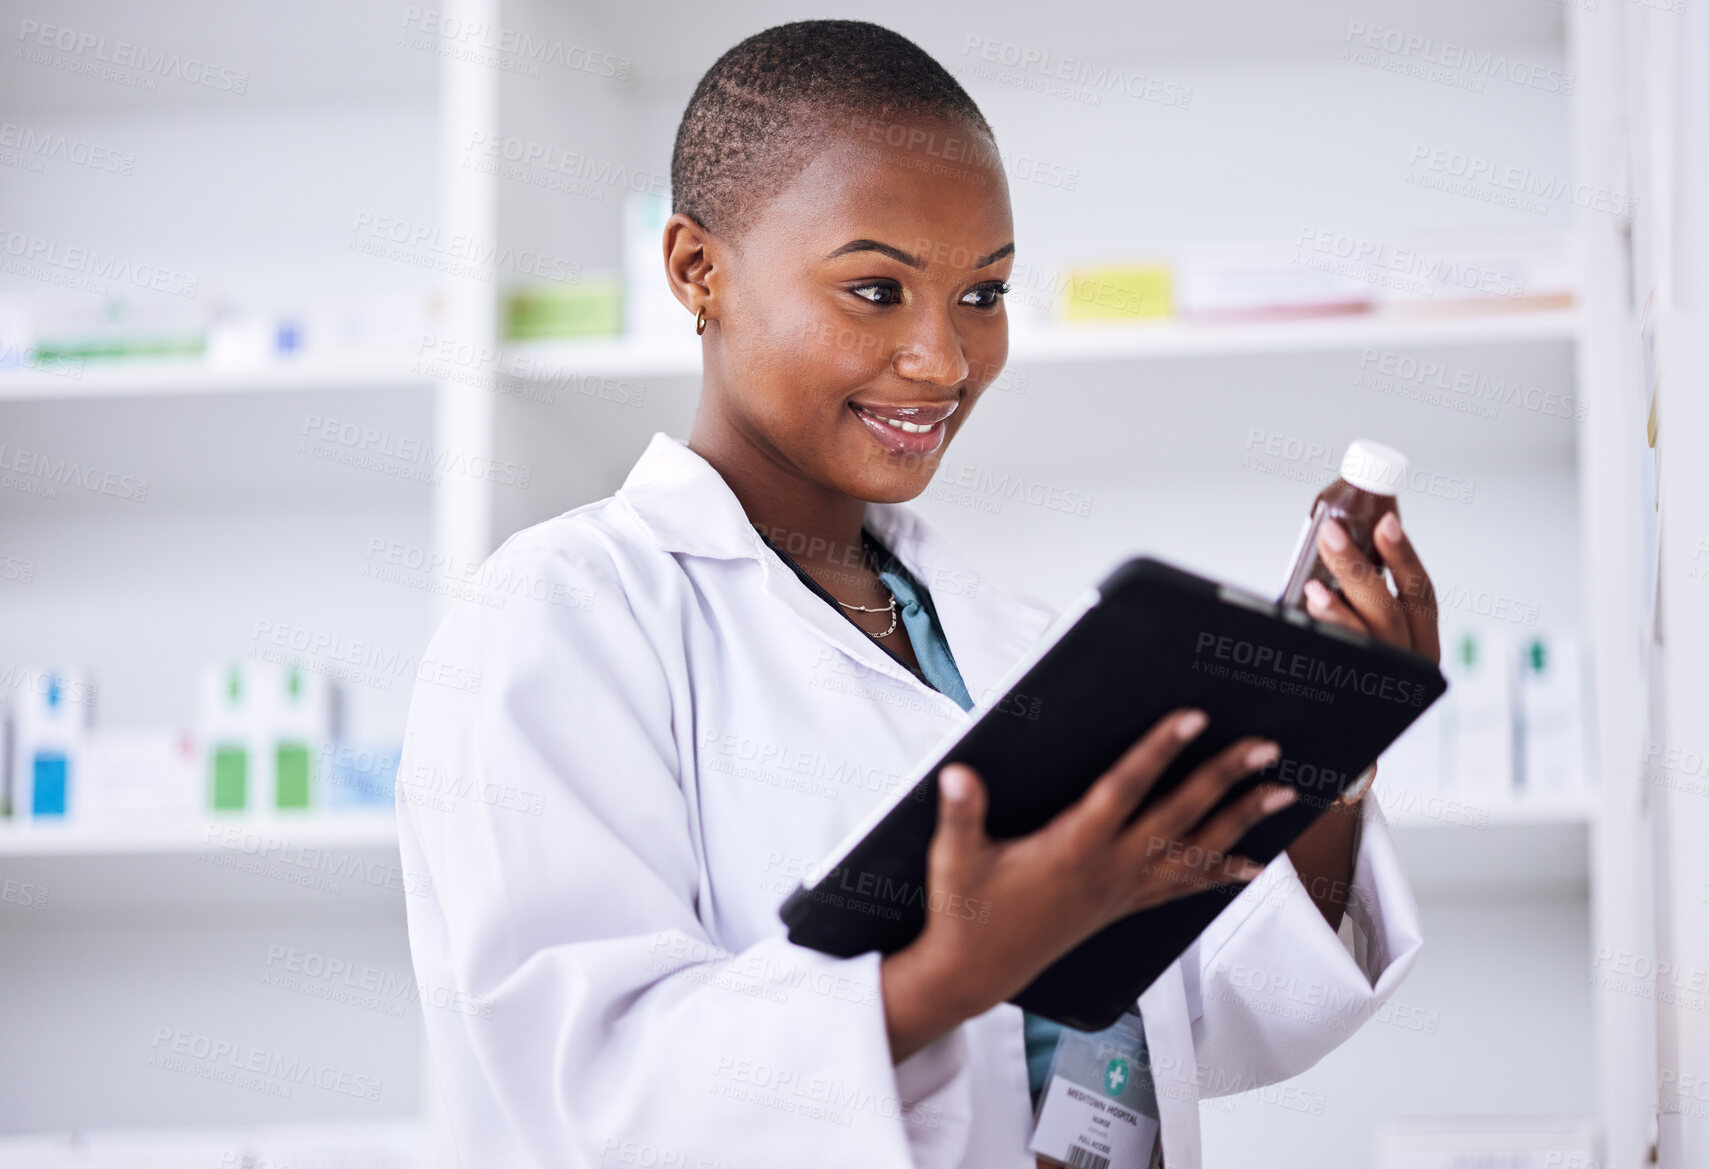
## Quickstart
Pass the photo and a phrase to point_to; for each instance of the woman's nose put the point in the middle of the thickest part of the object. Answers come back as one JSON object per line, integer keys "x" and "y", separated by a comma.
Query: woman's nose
{"x": 932, "y": 353}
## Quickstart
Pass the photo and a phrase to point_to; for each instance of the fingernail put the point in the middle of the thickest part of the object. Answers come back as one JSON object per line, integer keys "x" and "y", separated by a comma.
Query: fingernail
{"x": 1316, "y": 595}
{"x": 1262, "y": 755}
{"x": 1278, "y": 798}
{"x": 1191, "y": 724}
{"x": 954, "y": 783}
{"x": 1334, "y": 536}
{"x": 1390, "y": 527}
{"x": 1248, "y": 872}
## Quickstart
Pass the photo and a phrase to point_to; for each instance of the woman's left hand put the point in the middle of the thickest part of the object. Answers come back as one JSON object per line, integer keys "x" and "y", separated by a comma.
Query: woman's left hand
{"x": 1407, "y": 620}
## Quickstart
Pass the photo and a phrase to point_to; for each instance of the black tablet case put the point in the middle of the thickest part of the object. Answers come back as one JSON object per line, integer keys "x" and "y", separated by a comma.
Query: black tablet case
{"x": 1156, "y": 639}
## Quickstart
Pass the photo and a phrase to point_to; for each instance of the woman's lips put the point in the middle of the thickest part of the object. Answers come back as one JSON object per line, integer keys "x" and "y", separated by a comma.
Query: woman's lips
{"x": 905, "y": 430}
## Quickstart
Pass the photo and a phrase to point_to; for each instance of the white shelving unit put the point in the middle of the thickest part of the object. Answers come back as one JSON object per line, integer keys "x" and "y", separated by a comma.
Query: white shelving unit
{"x": 1156, "y": 423}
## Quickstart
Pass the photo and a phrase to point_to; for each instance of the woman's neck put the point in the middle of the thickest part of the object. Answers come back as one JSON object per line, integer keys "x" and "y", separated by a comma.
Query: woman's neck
{"x": 816, "y": 527}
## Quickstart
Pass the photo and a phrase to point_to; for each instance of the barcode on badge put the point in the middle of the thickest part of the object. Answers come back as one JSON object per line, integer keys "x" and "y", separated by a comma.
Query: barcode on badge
{"x": 1079, "y": 1158}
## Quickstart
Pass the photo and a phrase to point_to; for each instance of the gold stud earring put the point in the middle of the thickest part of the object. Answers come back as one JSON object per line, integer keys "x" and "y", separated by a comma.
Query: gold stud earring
{"x": 700, "y": 321}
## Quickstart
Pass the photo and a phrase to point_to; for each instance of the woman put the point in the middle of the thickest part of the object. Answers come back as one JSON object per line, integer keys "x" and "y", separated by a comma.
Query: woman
{"x": 774, "y": 642}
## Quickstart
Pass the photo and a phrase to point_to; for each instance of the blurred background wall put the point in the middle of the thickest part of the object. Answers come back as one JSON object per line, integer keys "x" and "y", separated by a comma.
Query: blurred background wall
{"x": 302, "y": 311}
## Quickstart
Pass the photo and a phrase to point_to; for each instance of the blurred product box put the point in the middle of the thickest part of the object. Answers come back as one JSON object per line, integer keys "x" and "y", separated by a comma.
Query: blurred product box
{"x": 1262, "y": 283}
{"x": 591, "y": 308}
{"x": 1515, "y": 271}
{"x": 1481, "y": 721}
{"x": 649, "y": 309}
{"x": 358, "y": 776}
{"x": 1117, "y": 293}
{"x": 394, "y": 322}
{"x": 1552, "y": 700}
{"x": 125, "y": 773}
{"x": 50, "y": 716}
{"x": 1462, "y": 1142}
{"x": 263, "y": 726}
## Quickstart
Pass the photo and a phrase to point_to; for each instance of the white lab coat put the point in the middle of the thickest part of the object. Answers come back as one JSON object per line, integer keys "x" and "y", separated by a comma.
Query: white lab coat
{"x": 613, "y": 780}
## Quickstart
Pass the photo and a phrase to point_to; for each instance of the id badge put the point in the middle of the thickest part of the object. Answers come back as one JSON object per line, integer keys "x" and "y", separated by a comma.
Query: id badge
{"x": 1099, "y": 1109}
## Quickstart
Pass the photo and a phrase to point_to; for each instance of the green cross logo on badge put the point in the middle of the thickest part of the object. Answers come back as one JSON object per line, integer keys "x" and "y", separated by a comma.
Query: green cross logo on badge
{"x": 1115, "y": 1076}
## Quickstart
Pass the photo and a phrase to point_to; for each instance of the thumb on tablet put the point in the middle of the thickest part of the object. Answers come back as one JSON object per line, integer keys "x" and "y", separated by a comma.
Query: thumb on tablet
{"x": 961, "y": 806}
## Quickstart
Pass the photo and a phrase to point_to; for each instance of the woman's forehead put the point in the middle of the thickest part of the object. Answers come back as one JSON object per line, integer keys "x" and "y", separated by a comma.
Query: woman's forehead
{"x": 907, "y": 198}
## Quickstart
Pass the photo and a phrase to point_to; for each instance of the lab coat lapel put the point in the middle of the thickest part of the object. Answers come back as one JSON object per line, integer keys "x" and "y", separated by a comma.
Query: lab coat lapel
{"x": 1174, "y": 1068}
{"x": 988, "y": 631}
{"x": 686, "y": 505}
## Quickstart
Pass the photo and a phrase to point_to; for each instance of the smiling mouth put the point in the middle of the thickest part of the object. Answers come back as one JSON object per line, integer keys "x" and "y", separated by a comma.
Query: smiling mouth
{"x": 906, "y": 430}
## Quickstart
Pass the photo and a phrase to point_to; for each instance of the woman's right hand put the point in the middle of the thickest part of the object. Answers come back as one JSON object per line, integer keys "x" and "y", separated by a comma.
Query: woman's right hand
{"x": 1038, "y": 896}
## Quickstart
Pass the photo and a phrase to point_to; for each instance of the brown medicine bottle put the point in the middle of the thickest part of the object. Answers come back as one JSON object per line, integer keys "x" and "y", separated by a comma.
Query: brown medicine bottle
{"x": 1365, "y": 493}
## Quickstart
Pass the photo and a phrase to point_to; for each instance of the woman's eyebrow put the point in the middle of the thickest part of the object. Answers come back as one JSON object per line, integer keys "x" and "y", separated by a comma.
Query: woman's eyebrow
{"x": 895, "y": 253}
{"x": 872, "y": 245}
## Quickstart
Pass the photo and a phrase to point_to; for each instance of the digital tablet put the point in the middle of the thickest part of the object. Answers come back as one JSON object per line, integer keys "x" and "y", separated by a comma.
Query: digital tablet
{"x": 1149, "y": 639}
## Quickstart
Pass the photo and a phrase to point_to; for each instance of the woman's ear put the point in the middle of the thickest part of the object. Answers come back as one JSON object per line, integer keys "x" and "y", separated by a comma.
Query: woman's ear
{"x": 690, "y": 265}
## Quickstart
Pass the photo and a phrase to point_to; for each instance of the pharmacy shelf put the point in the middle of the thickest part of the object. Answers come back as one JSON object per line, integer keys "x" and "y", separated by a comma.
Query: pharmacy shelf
{"x": 638, "y": 358}
{"x": 325, "y": 864}
{"x": 356, "y": 829}
{"x": 1534, "y": 854}
{"x": 628, "y": 357}
{"x": 1421, "y": 812}
{"x": 319, "y": 867}
{"x": 152, "y": 378}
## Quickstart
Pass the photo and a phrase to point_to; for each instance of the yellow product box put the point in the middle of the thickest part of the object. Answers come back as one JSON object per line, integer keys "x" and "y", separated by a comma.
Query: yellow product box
{"x": 1117, "y": 293}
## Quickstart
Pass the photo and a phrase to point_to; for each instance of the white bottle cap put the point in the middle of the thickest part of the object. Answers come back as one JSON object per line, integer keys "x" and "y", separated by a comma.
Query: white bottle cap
{"x": 1371, "y": 466}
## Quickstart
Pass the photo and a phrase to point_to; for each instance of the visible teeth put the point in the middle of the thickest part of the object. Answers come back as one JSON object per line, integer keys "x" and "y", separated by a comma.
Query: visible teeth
{"x": 905, "y": 427}
{"x": 909, "y": 427}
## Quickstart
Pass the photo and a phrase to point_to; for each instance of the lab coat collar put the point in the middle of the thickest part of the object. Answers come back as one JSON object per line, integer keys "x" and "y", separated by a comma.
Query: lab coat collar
{"x": 687, "y": 507}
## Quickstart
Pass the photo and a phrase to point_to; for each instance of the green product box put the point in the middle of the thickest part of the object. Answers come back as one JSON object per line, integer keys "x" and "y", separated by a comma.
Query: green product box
{"x": 231, "y": 777}
{"x": 591, "y": 308}
{"x": 291, "y": 763}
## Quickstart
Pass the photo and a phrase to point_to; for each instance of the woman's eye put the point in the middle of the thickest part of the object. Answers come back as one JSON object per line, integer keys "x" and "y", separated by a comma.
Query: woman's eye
{"x": 985, "y": 295}
{"x": 882, "y": 293}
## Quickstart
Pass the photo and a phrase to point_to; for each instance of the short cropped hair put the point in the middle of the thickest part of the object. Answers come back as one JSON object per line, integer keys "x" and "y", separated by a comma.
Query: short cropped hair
{"x": 759, "y": 113}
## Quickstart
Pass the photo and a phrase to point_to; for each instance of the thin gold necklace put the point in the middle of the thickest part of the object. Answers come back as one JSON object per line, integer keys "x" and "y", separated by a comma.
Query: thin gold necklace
{"x": 890, "y": 608}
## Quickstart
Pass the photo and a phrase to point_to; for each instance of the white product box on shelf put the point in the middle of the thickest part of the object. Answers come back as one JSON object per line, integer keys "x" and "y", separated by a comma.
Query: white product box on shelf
{"x": 128, "y": 772}
{"x": 649, "y": 309}
{"x": 50, "y": 714}
{"x": 263, "y": 726}
{"x": 1478, "y": 661}
{"x": 1551, "y": 716}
